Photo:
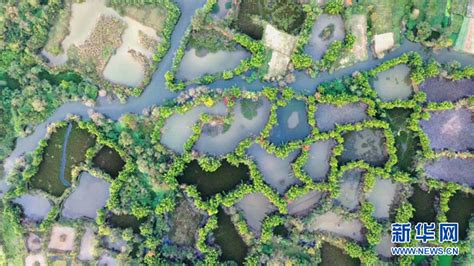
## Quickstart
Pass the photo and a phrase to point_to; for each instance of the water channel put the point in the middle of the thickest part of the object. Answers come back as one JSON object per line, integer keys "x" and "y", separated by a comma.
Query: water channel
{"x": 157, "y": 93}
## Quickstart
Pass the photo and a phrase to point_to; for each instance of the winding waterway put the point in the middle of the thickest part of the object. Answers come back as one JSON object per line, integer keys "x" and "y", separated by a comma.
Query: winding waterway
{"x": 156, "y": 93}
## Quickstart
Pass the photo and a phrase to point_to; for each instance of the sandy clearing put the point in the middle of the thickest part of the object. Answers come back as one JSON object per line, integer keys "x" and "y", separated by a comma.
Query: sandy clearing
{"x": 383, "y": 42}
{"x": 282, "y": 45}
{"x": 358, "y": 25}
{"x": 87, "y": 245}
{"x": 62, "y": 238}
{"x": 35, "y": 260}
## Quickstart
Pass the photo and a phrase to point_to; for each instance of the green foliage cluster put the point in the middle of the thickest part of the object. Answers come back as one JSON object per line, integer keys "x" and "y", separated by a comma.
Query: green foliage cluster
{"x": 334, "y": 7}
{"x": 209, "y": 164}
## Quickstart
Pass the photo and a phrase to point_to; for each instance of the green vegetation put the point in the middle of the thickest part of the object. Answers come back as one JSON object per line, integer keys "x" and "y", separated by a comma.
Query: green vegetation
{"x": 210, "y": 40}
{"x": 249, "y": 108}
{"x": 438, "y": 22}
{"x": 12, "y": 234}
{"x": 286, "y": 15}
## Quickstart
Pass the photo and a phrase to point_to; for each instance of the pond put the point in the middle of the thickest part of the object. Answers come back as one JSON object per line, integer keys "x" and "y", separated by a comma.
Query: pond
{"x": 224, "y": 179}
{"x": 332, "y": 255}
{"x": 89, "y": 196}
{"x": 249, "y": 119}
{"x": 226, "y": 236}
{"x": 304, "y": 204}
{"x": 440, "y": 89}
{"x": 124, "y": 221}
{"x": 393, "y": 84}
{"x": 406, "y": 141}
{"x": 107, "y": 259}
{"x": 350, "y": 189}
{"x": 461, "y": 210}
{"x": 66, "y": 148}
{"x": 109, "y": 160}
{"x": 281, "y": 230}
{"x": 178, "y": 128}
{"x": 255, "y": 207}
{"x": 292, "y": 123}
{"x": 383, "y": 248}
{"x": 450, "y": 129}
{"x": 382, "y": 197}
{"x": 337, "y": 224}
{"x": 317, "y": 165}
{"x": 367, "y": 145}
{"x": 35, "y": 207}
{"x": 326, "y": 29}
{"x": 329, "y": 115}
{"x": 276, "y": 171}
{"x": 196, "y": 63}
{"x": 185, "y": 222}
{"x": 452, "y": 170}
{"x": 424, "y": 204}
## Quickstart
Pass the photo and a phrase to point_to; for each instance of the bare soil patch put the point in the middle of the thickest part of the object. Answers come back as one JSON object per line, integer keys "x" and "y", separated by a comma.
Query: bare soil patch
{"x": 62, "y": 238}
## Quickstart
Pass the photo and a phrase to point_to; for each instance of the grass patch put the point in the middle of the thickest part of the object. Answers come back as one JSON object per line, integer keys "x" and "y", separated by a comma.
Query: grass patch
{"x": 184, "y": 224}
{"x": 211, "y": 40}
{"x": 149, "y": 15}
{"x": 386, "y": 16}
